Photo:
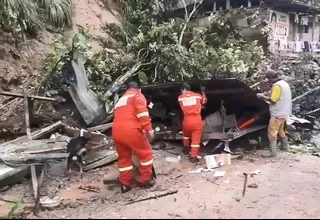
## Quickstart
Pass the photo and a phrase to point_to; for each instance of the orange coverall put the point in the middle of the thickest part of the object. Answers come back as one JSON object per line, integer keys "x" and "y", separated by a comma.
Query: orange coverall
{"x": 190, "y": 104}
{"x": 131, "y": 121}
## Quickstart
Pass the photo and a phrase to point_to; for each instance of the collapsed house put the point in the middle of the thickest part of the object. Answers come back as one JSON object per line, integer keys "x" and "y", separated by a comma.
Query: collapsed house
{"x": 295, "y": 25}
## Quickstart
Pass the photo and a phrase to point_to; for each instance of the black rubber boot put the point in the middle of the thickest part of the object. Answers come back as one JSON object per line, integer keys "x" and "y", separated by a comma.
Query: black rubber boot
{"x": 186, "y": 150}
{"x": 194, "y": 160}
{"x": 148, "y": 184}
{"x": 125, "y": 188}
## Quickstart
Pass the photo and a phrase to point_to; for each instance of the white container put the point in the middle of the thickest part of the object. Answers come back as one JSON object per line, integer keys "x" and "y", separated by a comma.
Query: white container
{"x": 224, "y": 159}
{"x": 211, "y": 161}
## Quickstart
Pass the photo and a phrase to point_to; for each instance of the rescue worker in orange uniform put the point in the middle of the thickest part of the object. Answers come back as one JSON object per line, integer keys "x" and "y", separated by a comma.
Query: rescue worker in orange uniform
{"x": 131, "y": 132}
{"x": 191, "y": 104}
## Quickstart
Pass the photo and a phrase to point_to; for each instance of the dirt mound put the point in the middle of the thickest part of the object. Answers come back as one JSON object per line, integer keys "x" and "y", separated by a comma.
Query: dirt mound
{"x": 22, "y": 67}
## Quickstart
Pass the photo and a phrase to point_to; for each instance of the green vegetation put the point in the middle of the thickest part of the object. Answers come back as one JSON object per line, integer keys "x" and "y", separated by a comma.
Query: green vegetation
{"x": 161, "y": 47}
{"x": 22, "y": 17}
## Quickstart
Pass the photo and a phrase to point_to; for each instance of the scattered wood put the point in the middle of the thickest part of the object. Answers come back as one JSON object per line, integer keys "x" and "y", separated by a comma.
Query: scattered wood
{"x": 12, "y": 175}
{"x": 245, "y": 184}
{"x": 36, "y": 135}
{"x": 156, "y": 196}
{"x": 39, "y": 184}
{"x": 173, "y": 153}
{"x": 29, "y": 96}
{"x": 95, "y": 138}
{"x": 89, "y": 189}
{"x": 16, "y": 151}
{"x": 27, "y": 113}
{"x": 54, "y": 150}
{"x": 33, "y": 158}
{"x": 34, "y": 181}
{"x": 47, "y": 130}
{"x": 103, "y": 127}
{"x": 98, "y": 159}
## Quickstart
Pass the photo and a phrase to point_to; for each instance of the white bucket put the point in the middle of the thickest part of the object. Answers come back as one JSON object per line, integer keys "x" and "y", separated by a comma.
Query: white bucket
{"x": 211, "y": 161}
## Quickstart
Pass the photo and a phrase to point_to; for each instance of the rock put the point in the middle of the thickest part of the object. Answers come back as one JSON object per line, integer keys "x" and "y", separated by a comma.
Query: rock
{"x": 237, "y": 199}
{"x": 253, "y": 185}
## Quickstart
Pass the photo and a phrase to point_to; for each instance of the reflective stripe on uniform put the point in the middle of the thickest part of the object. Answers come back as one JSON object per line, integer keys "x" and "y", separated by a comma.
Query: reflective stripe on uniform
{"x": 189, "y": 97}
{"x": 187, "y": 138}
{"x": 146, "y": 163}
{"x": 195, "y": 145}
{"x": 122, "y": 169}
{"x": 123, "y": 101}
{"x": 128, "y": 96}
{"x": 142, "y": 114}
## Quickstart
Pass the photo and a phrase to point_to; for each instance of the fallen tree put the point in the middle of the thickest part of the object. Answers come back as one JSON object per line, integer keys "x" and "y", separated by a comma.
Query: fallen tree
{"x": 151, "y": 46}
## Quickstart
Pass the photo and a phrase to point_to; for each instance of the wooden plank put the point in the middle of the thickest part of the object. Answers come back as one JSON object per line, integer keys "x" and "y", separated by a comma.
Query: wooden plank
{"x": 27, "y": 115}
{"x": 10, "y": 176}
{"x": 30, "y": 158}
{"x": 95, "y": 138}
{"x": 100, "y": 127}
{"x": 106, "y": 160}
{"x": 36, "y": 134}
{"x": 34, "y": 180}
{"x": 44, "y": 131}
{"x": 98, "y": 155}
{"x": 29, "y": 96}
{"x": 40, "y": 182}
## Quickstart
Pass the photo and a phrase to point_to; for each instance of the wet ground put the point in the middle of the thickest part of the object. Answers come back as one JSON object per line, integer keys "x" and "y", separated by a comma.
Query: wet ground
{"x": 287, "y": 187}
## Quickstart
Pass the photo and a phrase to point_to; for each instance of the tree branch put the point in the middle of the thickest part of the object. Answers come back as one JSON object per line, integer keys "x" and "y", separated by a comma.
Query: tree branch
{"x": 188, "y": 17}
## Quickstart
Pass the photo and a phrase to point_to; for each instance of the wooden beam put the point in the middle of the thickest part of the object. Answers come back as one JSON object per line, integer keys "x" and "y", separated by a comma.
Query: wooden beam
{"x": 28, "y": 158}
{"x": 44, "y": 131}
{"x": 36, "y": 134}
{"x": 39, "y": 183}
{"x": 27, "y": 115}
{"x": 29, "y": 96}
{"x": 100, "y": 127}
{"x": 34, "y": 181}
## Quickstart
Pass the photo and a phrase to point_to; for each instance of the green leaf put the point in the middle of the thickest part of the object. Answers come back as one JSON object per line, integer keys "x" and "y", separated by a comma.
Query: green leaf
{"x": 143, "y": 77}
{"x": 14, "y": 208}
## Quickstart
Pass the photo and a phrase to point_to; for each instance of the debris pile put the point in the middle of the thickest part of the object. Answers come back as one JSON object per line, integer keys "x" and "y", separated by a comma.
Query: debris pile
{"x": 27, "y": 156}
{"x": 233, "y": 111}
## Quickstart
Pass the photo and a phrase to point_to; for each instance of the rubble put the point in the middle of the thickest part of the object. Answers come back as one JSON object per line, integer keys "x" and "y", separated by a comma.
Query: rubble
{"x": 19, "y": 155}
{"x": 233, "y": 111}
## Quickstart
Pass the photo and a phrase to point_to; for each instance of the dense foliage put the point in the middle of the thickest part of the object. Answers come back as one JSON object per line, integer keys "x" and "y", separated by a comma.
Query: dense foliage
{"x": 23, "y": 17}
{"x": 171, "y": 49}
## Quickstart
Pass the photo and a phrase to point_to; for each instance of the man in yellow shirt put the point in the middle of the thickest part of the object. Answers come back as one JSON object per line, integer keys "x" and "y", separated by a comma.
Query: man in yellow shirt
{"x": 280, "y": 106}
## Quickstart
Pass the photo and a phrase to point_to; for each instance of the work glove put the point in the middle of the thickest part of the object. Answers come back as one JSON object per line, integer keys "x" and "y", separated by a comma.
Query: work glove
{"x": 150, "y": 135}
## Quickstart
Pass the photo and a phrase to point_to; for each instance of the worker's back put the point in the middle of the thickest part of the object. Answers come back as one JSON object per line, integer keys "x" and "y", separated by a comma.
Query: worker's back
{"x": 125, "y": 113}
{"x": 190, "y": 103}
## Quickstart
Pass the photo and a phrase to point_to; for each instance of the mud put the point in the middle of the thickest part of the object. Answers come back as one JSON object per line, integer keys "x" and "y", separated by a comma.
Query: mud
{"x": 287, "y": 187}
